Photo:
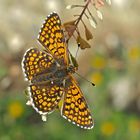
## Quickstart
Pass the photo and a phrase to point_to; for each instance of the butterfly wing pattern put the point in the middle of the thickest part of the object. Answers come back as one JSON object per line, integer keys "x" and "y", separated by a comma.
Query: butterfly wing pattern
{"x": 49, "y": 81}
{"x": 51, "y": 36}
{"x": 44, "y": 96}
{"x": 75, "y": 108}
{"x": 35, "y": 62}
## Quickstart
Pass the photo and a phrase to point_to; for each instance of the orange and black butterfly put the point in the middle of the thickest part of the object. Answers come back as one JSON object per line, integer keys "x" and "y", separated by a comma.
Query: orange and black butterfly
{"x": 49, "y": 73}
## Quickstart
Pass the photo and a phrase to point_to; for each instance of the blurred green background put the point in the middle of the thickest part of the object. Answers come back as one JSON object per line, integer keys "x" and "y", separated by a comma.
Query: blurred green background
{"x": 113, "y": 63}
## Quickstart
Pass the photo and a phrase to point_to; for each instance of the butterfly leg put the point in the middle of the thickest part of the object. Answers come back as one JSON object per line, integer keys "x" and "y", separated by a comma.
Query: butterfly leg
{"x": 29, "y": 103}
{"x": 44, "y": 118}
{"x": 64, "y": 83}
{"x": 60, "y": 104}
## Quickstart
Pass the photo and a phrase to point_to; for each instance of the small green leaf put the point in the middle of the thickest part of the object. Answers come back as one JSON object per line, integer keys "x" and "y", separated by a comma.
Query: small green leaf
{"x": 74, "y": 62}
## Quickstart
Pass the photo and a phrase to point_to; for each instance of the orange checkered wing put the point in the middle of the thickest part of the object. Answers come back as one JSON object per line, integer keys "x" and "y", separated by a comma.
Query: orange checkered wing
{"x": 51, "y": 36}
{"x": 75, "y": 108}
{"x": 44, "y": 98}
{"x": 35, "y": 62}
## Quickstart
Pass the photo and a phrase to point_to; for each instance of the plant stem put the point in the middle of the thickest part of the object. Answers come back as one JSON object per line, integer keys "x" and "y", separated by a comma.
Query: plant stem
{"x": 80, "y": 17}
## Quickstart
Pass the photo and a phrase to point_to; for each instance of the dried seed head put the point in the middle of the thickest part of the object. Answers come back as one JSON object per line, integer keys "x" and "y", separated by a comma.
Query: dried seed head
{"x": 99, "y": 14}
{"x": 88, "y": 34}
{"x": 92, "y": 23}
{"x": 71, "y": 6}
{"x": 69, "y": 23}
{"x": 108, "y": 2}
{"x": 69, "y": 29}
{"x": 83, "y": 44}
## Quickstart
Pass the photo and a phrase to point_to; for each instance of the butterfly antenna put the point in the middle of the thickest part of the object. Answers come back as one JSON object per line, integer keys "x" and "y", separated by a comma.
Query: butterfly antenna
{"x": 85, "y": 79}
{"x": 77, "y": 50}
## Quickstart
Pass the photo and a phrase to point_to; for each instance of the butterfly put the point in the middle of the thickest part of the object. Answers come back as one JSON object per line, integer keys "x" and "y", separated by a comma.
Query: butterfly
{"x": 50, "y": 78}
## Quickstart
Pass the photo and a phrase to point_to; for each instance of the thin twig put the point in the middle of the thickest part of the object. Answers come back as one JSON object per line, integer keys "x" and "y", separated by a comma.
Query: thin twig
{"x": 80, "y": 17}
{"x": 83, "y": 23}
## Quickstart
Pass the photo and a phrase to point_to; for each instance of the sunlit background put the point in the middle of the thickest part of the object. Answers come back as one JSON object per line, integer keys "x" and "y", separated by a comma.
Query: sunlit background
{"x": 112, "y": 63}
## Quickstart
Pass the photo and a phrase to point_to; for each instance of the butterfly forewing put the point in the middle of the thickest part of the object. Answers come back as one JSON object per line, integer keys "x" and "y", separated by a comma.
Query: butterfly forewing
{"x": 51, "y": 36}
{"x": 35, "y": 62}
{"x": 75, "y": 108}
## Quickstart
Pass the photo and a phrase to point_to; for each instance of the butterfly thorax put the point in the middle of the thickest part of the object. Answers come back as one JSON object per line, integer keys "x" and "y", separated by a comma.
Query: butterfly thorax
{"x": 63, "y": 72}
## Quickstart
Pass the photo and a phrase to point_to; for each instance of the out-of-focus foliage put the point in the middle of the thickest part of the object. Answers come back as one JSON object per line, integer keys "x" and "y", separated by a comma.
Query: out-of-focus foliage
{"x": 112, "y": 63}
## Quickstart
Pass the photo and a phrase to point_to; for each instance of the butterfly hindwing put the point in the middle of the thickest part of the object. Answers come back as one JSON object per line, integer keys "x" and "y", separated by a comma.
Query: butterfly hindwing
{"x": 51, "y": 36}
{"x": 45, "y": 98}
{"x": 74, "y": 107}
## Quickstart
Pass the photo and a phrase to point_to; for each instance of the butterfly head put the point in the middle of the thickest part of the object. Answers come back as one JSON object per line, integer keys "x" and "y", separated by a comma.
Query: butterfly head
{"x": 71, "y": 69}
